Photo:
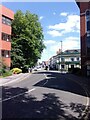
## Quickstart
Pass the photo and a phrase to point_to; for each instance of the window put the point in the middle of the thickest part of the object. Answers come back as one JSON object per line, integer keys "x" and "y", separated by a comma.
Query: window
{"x": 3, "y": 36}
{"x": 87, "y": 12}
{"x": 5, "y": 53}
{"x": 6, "y": 20}
{"x": 67, "y": 51}
{"x": 75, "y": 51}
{"x": 3, "y": 19}
{"x": 77, "y": 58}
{"x": 6, "y": 37}
{"x": 2, "y": 53}
{"x": 72, "y": 66}
{"x": 88, "y": 45}
{"x": 72, "y": 59}
{"x": 62, "y": 66}
{"x": 62, "y": 59}
{"x": 88, "y": 25}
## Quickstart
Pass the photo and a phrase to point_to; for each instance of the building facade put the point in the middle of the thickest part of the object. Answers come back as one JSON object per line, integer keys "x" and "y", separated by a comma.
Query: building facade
{"x": 85, "y": 36}
{"x": 65, "y": 60}
{"x": 6, "y": 17}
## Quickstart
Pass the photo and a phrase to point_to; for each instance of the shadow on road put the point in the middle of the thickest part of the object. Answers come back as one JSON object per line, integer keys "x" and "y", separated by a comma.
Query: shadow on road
{"x": 27, "y": 106}
{"x": 59, "y": 81}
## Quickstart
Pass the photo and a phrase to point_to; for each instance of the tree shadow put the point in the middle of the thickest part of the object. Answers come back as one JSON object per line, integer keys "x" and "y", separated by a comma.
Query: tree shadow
{"x": 28, "y": 106}
{"x": 58, "y": 81}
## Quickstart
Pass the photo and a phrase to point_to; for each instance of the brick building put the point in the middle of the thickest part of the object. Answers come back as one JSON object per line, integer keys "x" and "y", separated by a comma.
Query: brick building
{"x": 85, "y": 36}
{"x": 6, "y": 17}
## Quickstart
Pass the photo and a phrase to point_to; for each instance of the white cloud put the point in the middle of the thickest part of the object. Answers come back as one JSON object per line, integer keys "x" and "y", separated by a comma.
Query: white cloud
{"x": 55, "y": 48}
{"x": 54, "y": 33}
{"x": 54, "y": 13}
{"x": 71, "y": 25}
{"x": 63, "y": 14}
{"x": 67, "y": 43}
{"x": 49, "y": 42}
{"x": 41, "y": 17}
{"x": 71, "y": 43}
{"x": 52, "y": 46}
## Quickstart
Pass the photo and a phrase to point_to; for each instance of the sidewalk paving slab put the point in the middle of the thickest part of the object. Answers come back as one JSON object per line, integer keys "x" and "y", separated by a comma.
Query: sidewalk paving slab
{"x": 12, "y": 78}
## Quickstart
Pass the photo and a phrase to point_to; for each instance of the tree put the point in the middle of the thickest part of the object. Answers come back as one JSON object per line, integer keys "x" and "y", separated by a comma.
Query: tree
{"x": 27, "y": 39}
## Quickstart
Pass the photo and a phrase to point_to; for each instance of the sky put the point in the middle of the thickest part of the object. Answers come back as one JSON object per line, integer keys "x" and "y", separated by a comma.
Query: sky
{"x": 60, "y": 22}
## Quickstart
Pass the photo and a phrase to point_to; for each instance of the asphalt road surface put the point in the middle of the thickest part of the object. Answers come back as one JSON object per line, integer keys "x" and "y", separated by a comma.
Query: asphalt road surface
{"x": 44, "y": 95}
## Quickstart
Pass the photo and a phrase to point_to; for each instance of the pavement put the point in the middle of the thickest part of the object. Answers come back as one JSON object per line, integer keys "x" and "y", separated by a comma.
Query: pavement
{"x": 13, "y": 78}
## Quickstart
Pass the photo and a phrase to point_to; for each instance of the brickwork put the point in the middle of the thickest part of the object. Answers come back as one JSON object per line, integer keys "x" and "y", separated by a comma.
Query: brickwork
{"x": 6, "y": 16}
{"x": 83, "y": 33}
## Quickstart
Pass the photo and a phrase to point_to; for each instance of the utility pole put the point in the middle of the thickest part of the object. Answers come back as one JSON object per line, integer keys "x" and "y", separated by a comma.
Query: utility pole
{"x": 61, "y": 56}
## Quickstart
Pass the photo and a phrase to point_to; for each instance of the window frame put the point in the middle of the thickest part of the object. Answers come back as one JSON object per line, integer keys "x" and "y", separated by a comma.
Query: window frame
{"x": 6, "y": 20}
{"x": 6, "y": 37}
{"x": 5, "y": 53}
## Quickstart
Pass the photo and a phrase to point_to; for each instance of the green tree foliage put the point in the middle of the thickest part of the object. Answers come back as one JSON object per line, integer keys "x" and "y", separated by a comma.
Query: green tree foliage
{"x": 27, "y": 39}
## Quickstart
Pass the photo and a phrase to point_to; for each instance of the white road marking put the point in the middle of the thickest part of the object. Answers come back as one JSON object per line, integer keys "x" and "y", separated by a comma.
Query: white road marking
{"x": 18, "y": 95}
{"x": 46, "y": 79}
{"x": 87, "y": 101}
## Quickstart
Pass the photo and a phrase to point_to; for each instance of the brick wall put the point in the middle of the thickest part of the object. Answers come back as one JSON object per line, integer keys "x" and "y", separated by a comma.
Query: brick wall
{"x": 83, "y": 7}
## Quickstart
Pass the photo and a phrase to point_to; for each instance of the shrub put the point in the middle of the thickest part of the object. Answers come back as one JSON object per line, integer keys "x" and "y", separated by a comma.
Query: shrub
{"x": 7, "y": 73}
{"x": 16, "y": 70}
{"x": 2, "y": 70}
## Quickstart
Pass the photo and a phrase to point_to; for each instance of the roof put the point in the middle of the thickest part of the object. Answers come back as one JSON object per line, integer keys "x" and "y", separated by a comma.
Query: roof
{"x": 72, "y": 51}
{"x": 69, "y": 53}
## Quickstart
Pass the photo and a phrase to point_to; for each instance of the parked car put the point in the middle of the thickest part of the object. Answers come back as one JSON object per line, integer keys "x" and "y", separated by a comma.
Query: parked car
{"x": 37, "y": 68}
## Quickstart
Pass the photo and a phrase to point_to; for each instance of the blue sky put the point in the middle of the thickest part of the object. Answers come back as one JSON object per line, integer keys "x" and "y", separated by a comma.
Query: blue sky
{"x": 60, "y": 22}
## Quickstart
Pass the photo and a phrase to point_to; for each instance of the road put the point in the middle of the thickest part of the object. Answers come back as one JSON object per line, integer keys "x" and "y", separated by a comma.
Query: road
{"x": 44, "y": 94}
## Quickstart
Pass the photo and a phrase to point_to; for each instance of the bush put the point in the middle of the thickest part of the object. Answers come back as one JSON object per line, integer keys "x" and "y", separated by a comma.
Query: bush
{"x": 16, "y": 70}
{"x": 1, "y": 72}
{"x": 8, "y": 73}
